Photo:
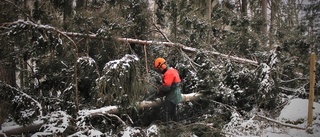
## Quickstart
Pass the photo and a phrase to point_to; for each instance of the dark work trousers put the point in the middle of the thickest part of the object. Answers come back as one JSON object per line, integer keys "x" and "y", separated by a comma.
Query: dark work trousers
{"x": 170, "y": 111}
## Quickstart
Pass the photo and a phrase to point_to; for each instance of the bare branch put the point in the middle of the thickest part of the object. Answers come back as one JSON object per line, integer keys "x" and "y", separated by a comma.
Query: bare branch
{"x": 158, "y": 29}
{"x": 118, "y": 118}
{"x": 258, "y": 117}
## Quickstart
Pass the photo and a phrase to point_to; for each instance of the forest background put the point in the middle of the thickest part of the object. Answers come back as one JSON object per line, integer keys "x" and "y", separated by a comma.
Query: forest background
{"x": 61, "y": 57}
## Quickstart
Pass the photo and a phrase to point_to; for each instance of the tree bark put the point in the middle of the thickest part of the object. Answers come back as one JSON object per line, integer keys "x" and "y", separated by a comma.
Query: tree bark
{"x": 272, "y": 19}
{"x": 7, "y": 74}
{"x": 244, "y": 7}
{"x": 264, "y": 17}
{"x": 208, "y": 14}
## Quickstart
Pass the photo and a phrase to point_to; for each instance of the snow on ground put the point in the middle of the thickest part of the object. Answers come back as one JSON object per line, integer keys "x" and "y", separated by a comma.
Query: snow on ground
{"x": 152, "y": 130}
{"x": 296, "y": 111}
{"x": 132, "y": 131}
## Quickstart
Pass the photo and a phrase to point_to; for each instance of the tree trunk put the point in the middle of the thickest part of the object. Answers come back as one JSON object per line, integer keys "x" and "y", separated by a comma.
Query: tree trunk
{"x": 7, "y": 64}
{"x": 264, "y": 17}
{"x": 7, "y": 75}
{"x": 272, "y": 19}
{"x": 244, "y": 8}
{"x": 80, "y": 4}
{"x": 208, "y": 13}
{"x": 290, "y": 13}
{"x": 208, "y": 9}
{"x": 67, "y": 11}
{"x": 142, "y": 105}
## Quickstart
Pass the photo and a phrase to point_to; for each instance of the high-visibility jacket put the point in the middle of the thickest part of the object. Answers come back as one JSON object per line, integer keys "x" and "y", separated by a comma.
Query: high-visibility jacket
{"x": 171, "y": 86}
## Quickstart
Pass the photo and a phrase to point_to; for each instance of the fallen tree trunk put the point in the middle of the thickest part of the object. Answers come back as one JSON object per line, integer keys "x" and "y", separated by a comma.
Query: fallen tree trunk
{"x": 157, "y": 102}
{"x": 168, "y": 44}
{"x": 140, "y": 105}
{"x": 130, "y": 40}
{"x": 14, "y": 130}
{"x": 187, "y": 49}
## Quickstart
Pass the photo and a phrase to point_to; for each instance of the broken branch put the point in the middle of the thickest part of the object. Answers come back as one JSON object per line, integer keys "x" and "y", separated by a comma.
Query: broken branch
{"x": 258, "y": 117}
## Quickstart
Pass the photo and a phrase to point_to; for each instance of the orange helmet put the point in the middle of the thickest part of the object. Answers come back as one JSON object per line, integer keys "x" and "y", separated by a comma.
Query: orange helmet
{"x": 160, "y": 64}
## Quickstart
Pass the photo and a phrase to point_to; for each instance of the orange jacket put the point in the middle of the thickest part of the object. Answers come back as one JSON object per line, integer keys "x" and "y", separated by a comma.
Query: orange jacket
{"x": 170, "y": 76}
{"x": 171, "y": 86}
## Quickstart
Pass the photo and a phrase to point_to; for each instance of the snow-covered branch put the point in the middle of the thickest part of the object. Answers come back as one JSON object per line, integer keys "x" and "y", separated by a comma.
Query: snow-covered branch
{"x": 7, "y": 88}
{"x": 258, "y": 117}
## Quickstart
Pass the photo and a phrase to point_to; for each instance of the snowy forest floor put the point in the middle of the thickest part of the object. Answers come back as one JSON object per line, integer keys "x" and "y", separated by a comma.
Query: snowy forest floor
{"x": 293, "y": 114}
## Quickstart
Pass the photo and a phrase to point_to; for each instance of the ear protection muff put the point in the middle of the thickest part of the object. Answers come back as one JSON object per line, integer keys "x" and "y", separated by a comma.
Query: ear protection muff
{"x": 160, "y": 64}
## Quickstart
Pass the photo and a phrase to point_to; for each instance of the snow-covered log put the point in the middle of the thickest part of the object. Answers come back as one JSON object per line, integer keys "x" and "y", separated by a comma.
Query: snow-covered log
{"x": 157, "y": 102}
{"x": 15, "y": 130}
{"x": 140, "y": 105}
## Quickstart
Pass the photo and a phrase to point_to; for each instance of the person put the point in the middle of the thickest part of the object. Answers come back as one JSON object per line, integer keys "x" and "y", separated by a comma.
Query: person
{"x": 170, "y": 88}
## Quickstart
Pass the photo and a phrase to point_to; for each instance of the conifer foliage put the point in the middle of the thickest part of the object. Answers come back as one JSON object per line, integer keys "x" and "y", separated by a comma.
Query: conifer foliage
{"x": 60, "y": 61}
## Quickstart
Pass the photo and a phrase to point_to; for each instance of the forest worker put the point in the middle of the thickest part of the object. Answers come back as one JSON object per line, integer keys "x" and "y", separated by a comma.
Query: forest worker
{"x": 170, "y": 87}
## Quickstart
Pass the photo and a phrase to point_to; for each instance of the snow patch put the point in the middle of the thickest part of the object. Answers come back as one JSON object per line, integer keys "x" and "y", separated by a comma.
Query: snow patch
{"x": 130, "y": 131}
{"x": 298, "y": 109}
{"x": 86, "y": 59}
{"x": 152, "y": 130}
{"x": 124, "y": 61}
